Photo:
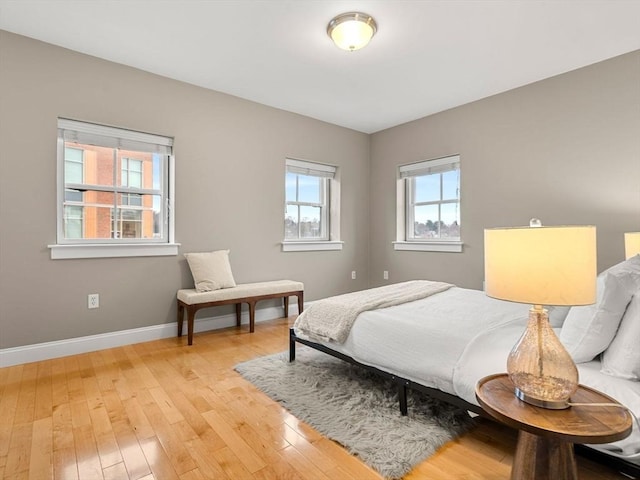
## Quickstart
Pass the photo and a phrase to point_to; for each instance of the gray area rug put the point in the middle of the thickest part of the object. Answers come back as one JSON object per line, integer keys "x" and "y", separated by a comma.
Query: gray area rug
{"x": 357, "y": 408}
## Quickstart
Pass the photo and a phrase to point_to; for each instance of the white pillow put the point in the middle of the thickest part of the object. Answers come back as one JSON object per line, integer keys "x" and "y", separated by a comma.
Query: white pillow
{"x": 588, "y": 330}
{"x": 622, "y": 357}
{"x": 628, "y": 272}
{"x": 211, "y": 270}
{"x": 557, "y": 315}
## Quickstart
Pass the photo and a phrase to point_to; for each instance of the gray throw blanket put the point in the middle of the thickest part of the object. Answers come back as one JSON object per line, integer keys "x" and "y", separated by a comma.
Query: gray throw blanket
{"x": 331, "y": 319}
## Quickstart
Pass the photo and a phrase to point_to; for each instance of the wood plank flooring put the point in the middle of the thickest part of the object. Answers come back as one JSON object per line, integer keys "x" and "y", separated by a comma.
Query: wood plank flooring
{"x": 162, "y": 410}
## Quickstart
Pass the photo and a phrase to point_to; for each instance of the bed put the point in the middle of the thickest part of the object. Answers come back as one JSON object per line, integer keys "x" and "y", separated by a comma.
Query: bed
{"x": 448, "y": 339}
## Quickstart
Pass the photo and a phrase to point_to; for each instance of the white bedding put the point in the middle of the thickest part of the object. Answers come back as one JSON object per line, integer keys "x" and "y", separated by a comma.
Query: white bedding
{"x": 457, "y": 337}
{"x": 331, "y": 319}
{"x": 441, "y": 326}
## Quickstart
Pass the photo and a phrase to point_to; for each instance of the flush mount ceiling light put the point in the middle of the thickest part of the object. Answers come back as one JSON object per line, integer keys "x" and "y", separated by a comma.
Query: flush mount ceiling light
{"x": 352, "y": 31}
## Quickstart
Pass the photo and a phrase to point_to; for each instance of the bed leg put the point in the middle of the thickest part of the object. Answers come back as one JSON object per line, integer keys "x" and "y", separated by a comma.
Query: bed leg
{"x": 402, "y": 398}
{"x": 292, "y": 346}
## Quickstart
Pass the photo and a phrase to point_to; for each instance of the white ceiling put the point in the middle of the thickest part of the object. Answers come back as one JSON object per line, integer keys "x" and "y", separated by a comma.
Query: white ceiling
{"x": 428, "y": 56}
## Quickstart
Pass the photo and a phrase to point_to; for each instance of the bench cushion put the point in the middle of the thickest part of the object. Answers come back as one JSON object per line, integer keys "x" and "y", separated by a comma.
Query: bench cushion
{"x": 191, "y": 297}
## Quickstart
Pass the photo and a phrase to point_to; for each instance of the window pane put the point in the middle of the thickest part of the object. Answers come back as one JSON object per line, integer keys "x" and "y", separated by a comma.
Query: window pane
{"x": 97, "y": 222}
{"x": 310, "y": 222}
{"x": 145, "y": 211}
{"x": 73, "y": 165}
{"x": 73, "y": 172}
{"x": 291, "y": 222}
{"x": 143, "y": 220}
{"x": 98, "y": 163}
{"x": 73, "y": 196}
{"x": 290, "y": 187}
{"x": 450, "y": 216}
{"x": 97, "y": 217}
{"x": 157, "y": 169}
{"x": 450, "y": 185}
{"x": 158, "y": 216}
{"x": 426, "y": 188}
{"x": 72, "y": 222}
{"x": 131, "y": 199}
{"x": 72, "y": 154}
{"x": 425, "y": 223}
{"x": 309, "y": 189}
{"x": 129, "y": 224}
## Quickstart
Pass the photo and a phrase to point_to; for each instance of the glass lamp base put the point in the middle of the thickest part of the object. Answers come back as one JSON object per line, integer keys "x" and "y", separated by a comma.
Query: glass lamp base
{"x": 550, "y": 404}
{"x": 542, "y": 371}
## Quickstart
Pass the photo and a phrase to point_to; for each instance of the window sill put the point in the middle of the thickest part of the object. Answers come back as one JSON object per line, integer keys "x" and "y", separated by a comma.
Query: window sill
{"x": 60, "y": 252}
{"x": 432, "y": 246}
{"x": 311, "y": 246}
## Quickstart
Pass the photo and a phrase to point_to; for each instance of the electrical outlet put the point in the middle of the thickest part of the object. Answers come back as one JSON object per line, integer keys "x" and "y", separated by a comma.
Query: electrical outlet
{"x": 385, "y": 275}
{"x": 93, "y": 300}
{"x": 353, "y": 275}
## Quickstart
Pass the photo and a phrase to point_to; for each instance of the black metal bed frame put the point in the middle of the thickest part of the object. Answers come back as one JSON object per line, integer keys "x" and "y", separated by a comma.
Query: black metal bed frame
{"x": 627, "y": 468}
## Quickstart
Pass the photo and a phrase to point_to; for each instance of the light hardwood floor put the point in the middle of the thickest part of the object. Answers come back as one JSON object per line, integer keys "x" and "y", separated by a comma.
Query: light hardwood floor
{"x": 163, "y": 410}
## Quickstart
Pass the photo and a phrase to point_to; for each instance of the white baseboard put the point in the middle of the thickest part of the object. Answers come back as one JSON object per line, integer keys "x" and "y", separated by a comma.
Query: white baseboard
{"x": 91, "y": 343}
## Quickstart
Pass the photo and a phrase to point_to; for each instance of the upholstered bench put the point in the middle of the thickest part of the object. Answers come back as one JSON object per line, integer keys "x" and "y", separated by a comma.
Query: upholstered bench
{"x": 192, "y": 301}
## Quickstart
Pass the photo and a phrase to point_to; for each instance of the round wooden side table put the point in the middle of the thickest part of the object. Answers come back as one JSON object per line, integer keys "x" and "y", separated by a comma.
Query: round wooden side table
{"x": 546, "y": 437}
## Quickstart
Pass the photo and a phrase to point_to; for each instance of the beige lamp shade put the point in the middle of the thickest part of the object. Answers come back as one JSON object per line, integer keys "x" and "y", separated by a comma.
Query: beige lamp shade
{"x": 541, "y": 265}
{"x": 631, "y": 244}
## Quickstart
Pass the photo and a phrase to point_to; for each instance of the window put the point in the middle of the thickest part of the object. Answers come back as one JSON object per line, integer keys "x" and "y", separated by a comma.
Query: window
{"x": 115, "y": 192}
{"x": 311, "y": 201}
{"x": 429, "y": 205}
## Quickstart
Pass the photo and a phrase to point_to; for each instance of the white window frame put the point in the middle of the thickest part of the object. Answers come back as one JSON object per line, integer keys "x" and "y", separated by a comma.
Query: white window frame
{"x": 113, "y": 137}
{"x": 404, "y": 206}
{"x": 329, "y": 238}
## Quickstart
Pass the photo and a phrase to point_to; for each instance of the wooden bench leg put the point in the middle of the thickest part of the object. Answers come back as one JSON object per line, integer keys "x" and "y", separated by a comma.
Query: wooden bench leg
{"x": 286, "y": 307}
{"x": 252, "y": 316}
{"x": 300, "y": 302}
{"x": 191, "y": 314}
{"x": 238, "y": 314}
{"x": 180, "y": 318}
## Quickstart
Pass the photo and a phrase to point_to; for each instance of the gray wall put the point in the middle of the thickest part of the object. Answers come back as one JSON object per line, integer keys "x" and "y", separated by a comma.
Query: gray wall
{"x": 230, "y": 156}
{"x": 565, "y": 150}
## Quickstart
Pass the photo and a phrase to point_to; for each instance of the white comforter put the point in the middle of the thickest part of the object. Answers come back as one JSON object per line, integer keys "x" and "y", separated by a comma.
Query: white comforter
{"x": 423, "y": 340}
{"x": 331, "y": 319}
{"x": 451, "y": 340}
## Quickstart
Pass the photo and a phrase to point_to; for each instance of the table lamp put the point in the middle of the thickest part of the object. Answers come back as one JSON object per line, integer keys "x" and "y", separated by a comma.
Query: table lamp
{"x": 631, "y": 244}
{"x": 541, "y": 266}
